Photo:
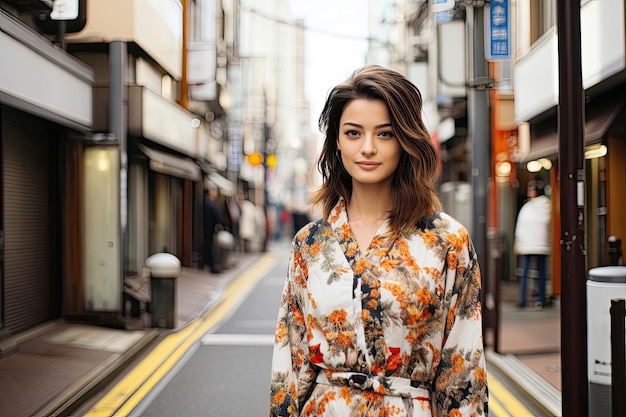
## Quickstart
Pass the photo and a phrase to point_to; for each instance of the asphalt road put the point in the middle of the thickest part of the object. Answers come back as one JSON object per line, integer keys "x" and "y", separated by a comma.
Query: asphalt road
{"x": 228, "y": 373}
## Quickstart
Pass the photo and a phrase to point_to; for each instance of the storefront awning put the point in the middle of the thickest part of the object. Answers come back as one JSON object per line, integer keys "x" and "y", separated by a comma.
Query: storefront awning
{"x": 226, "y": 187}
{"x": 44, "y": 80}
{"x": 169, "y": 164}
{"x": 544, "y": 141}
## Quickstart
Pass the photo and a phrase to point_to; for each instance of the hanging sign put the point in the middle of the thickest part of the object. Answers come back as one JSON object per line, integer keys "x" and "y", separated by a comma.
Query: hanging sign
{"x": 498, "y": 32}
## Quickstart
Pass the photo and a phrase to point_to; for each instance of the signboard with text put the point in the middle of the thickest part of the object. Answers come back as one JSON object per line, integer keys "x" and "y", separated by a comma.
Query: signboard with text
{"x": 498, "y": 31}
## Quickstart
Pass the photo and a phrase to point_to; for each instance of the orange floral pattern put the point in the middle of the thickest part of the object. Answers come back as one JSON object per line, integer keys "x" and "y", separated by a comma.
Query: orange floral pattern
{"x": 391, "y": 330}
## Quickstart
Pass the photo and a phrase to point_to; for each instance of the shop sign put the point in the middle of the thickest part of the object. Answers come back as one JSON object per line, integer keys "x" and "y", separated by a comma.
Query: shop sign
{"x": 498, "y": 31}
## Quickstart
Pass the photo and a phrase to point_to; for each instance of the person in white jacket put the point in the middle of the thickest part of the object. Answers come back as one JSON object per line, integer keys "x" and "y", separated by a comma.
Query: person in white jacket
{"x": 532, "y": 239}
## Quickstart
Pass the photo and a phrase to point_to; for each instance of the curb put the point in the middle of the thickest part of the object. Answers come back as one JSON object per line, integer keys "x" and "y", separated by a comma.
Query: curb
{"x": 542, "y": 392}
{"x": 68, "y": 398}
{"x": 128, "y": 394}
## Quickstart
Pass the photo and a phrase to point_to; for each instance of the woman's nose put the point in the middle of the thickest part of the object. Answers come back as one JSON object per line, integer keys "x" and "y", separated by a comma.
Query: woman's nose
{"x": 368, "y": 147}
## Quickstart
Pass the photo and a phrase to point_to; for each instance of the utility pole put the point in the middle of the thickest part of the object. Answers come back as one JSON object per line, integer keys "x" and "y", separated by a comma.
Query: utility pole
{"x": 572, "y": 196}
{"x": 479, "y": 129}
{"x": 118, "y": 125}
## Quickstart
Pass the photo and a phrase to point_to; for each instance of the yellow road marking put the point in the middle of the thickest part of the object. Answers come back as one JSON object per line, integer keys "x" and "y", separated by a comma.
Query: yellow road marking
{"x": 495, "y": 408}
{"x": 124, "y": 397}
{"x": 505, "y": 399}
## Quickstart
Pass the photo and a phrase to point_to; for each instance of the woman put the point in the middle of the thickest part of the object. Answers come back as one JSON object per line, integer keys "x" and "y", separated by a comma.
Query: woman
{"x": 380, "y": 313}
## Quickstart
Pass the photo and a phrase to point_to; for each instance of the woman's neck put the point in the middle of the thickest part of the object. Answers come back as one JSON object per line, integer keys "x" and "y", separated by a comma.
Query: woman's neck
{"x": 369, "y": 207}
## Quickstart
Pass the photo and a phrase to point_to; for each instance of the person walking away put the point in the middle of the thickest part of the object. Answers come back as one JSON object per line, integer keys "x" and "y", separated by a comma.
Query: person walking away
{"x": 380, "y": 313}
{"x": 532, "y": 240}
{"x": 211, "y": 222}
{"x": 247, "y": 225}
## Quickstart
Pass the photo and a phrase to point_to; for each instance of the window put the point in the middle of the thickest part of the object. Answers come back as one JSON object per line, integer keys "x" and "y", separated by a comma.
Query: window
{"x": 542, "y": 18}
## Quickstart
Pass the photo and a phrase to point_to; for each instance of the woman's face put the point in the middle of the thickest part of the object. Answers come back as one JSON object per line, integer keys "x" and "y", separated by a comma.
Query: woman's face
{"x": 369, "y": 149}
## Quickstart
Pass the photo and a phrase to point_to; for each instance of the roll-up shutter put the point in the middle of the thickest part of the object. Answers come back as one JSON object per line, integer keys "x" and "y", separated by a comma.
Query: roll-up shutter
{"x": 25, "y": 220}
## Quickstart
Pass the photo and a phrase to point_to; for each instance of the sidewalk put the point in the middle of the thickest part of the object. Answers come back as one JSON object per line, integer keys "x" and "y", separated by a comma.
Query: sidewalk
{"x": 47, "y": 370}
{"x": 529, "y": 348}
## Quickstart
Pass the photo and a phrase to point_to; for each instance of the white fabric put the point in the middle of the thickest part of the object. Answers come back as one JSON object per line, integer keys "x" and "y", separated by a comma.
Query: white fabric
{"x": 532, "y": 230}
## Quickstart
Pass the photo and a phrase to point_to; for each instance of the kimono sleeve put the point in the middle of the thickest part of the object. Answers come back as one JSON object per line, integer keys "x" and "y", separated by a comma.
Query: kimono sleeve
{"x": 460, "y": 385}
{"x": 292, "y": 375}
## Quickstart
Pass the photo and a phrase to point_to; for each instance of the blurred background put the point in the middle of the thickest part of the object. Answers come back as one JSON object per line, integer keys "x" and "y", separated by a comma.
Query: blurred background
{"x": 118, "y": 115}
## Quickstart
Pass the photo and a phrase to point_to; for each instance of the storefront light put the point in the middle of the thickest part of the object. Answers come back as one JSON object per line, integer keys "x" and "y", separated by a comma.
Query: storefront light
{"x": 545, "y": 163}
{"x": 595, "y": 151}
{"x": 103, "y": 162}
{"x": 503, "y": 169}
{"x": 224, "y": 98}
{"x": 533, "y": 166}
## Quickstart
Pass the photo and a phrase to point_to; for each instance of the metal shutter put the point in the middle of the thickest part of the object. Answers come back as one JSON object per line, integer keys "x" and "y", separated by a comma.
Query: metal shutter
{"x": 25, "y": 220}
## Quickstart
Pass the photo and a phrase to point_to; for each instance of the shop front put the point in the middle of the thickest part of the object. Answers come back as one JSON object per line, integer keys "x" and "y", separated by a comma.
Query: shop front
{"x": 45, "y": 110}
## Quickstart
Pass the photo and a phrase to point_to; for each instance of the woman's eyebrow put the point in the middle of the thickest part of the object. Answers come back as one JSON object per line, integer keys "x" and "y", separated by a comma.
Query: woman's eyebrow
{"x": 358, "y": 125}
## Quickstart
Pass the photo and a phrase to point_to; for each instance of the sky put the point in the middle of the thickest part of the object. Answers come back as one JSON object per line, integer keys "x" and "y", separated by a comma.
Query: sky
{"x": 335, "y": 45}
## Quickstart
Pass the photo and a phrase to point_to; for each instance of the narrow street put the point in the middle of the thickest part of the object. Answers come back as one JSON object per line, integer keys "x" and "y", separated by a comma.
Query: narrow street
{"x": 226, "y": 370}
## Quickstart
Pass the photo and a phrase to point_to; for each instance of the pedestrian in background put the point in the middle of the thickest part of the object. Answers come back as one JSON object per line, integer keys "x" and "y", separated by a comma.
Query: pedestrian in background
{"x": 284, "y": 217}
{"x": 251, "y": 225}
{"x": 532, "y": 241}
{"x": 212, "y": 221}
{"x": 380, "y": 312}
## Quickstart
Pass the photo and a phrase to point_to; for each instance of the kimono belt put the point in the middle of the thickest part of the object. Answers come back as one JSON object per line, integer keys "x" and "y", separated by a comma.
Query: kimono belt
{"x": 386, "y": 385}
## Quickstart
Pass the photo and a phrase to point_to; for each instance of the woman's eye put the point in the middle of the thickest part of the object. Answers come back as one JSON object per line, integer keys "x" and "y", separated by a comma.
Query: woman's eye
{"x": 386, "y": 134}
{"x": 351, "y": 133}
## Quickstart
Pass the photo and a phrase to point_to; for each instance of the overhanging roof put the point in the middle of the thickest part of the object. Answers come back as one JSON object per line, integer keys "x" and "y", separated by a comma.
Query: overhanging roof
{"x": 544, "y": 140}
{"x": 226, "y": 186}
{"x": 169, "y": 164}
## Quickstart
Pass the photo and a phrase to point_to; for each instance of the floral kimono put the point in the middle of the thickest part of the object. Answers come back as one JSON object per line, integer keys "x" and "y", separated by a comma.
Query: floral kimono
{"x": 394, "y": 330}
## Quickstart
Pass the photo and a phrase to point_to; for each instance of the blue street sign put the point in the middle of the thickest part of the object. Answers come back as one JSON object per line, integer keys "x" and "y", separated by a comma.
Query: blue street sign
{"x": 498, "y": 31}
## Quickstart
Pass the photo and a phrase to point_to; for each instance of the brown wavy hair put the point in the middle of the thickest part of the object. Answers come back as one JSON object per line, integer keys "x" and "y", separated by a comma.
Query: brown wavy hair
{"x": 414, "y": 182}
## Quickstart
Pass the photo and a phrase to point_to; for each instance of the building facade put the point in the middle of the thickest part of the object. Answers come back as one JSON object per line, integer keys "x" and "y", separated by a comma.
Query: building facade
{"x": 114, "y": 122}
{"x": 434, "y": 44}
{"x": 46, "y": 101}
{"x": 107, "y": 149}
{"x": 536, "y": 76}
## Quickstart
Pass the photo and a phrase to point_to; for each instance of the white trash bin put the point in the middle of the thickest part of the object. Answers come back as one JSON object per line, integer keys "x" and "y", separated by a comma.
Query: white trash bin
{"x": 604, "y": 284}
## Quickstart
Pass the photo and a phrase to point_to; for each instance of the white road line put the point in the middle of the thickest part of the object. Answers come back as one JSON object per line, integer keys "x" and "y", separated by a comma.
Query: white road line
{"x": 255, "y": 323}
{"x": 214, "y": 339}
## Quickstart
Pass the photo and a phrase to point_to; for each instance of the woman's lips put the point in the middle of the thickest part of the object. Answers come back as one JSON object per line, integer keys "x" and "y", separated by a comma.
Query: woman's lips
{"x": 368, "y": 165}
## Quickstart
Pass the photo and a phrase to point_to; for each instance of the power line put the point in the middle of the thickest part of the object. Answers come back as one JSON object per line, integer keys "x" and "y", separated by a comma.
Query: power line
{"x": 309, "y": 28}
